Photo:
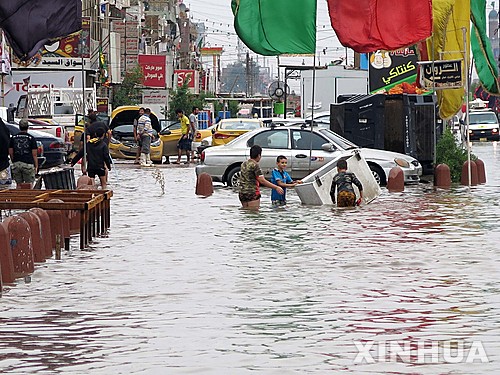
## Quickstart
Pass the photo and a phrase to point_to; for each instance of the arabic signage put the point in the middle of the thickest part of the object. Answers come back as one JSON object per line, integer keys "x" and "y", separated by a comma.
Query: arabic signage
{"x": 102, "y": 105}
{"x": 393, "y": 72}
{"x": 439, "y": 75}
{"x": 63, "y": 54}
{"x": 129, "y": 43}
{"x": 154, "y": 96}
{"x": 153, "y": 69}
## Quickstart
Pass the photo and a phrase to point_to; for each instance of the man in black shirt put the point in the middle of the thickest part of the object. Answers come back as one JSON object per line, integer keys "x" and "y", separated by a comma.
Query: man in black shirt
{"x": 23, "y": 153}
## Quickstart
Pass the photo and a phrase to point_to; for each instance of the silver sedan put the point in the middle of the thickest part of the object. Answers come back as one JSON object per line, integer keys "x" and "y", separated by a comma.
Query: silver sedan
{"x": 305, "y": 150}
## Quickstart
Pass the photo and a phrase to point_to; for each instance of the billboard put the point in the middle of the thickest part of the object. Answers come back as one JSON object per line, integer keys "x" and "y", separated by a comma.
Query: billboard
{"x": 393, "y": 72}
{"x": 153, "y": 68}
{"x": 64, "y": 54}
{"x": 21, "y": 80}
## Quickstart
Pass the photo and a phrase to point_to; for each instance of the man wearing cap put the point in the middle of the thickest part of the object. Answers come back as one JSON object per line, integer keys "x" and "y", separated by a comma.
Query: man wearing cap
{"x": 23, "y": 154}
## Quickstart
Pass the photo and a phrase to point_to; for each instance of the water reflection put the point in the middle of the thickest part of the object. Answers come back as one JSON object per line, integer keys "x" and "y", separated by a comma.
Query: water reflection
{"x": 190, "y": 285}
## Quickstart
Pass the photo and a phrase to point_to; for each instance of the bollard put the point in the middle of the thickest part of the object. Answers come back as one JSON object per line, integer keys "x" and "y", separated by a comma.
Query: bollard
{"x": 396, "y": 180}
{"x": 46, "y": 230}
{"x": 204, "y": 185}
{"x": 6, "y": 262}
{"x": 58, "y": 247}
{"x": 20, "y": 245}
{"x": 24, "y": 186}
{"x": 36, "y": 236}
{"x": 481, "y": 171}
{"x": 65, "y": 224}
{"x": 84, "y": 181}
{"x": 464, "y": 177}
{"x": 442, "y": 176}
{"x": 56, "y": 225}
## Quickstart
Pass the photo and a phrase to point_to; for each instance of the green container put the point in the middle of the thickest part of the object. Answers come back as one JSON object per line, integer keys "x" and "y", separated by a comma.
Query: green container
{"x": 279, "y": 108}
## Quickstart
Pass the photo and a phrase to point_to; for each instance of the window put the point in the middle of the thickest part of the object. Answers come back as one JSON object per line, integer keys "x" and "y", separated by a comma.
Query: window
{"x": 301, "y": 140}
{"x": 239, "y": 125}
{"x": 276, "y": 138}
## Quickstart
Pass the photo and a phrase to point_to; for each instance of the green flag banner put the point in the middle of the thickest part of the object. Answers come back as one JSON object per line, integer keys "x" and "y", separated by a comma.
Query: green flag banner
{"x": 276, "y": 27}
{"x": 484, "y": 59}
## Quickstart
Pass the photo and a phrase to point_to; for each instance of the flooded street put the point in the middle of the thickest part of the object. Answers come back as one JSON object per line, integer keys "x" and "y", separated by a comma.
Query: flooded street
{"x": 186, "y": 285}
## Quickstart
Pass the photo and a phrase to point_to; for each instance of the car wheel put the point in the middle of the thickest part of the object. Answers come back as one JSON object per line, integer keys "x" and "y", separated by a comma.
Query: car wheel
{"x": 233, "y": 177}
{"x": 379, "y": 174}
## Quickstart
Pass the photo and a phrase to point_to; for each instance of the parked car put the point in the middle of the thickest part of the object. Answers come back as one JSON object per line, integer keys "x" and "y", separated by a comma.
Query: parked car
{"x": 306, "y": 151}
{"x": 122, "y": 144}
{"x": 483, "y": 125}
{"x": 53, "y": 153}
{"x": 171, "y": 133}
{"x": 228, "y": 129}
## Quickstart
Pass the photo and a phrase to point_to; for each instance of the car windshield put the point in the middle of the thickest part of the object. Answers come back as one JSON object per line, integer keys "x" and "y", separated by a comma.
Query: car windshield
{"x": 338, "y": 140}
{"x": 483, "y": 118}
{"x": 239, "y": 125}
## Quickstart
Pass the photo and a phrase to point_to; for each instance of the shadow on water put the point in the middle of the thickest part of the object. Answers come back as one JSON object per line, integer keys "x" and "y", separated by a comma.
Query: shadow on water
{"x": 190, "y": 285}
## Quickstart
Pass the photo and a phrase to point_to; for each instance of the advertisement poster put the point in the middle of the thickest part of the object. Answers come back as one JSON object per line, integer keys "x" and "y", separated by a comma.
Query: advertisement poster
{"x": 153, "y": 68}
{"x": 394, "y": 72}
{"x": 62, "y": 54}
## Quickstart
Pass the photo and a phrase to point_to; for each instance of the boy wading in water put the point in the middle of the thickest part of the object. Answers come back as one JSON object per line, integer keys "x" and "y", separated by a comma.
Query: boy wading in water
{"x": 342, "y": 183}
{"x": 281, "y": 178}
{"x": 251, "y": 178}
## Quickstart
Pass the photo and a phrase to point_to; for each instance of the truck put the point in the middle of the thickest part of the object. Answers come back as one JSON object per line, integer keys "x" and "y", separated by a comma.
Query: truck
{"x": 330, "y": 84}
{"x": 61, "y": 107}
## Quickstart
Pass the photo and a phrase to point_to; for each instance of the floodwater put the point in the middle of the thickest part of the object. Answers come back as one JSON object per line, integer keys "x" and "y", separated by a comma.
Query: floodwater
{"x": 186, "y": 285}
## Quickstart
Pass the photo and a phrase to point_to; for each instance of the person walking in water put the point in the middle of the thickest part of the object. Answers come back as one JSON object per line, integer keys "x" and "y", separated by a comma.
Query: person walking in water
{"x": 184, "y": 141}
{"x": 251, "y": 178}
{"x": 193, "y": 129}
{"x": 23, "y": 152}
{"x": 281, "y": 178}
{"x": 97, "y": 157}
{"x": 342, "y": 184}
{"x": 136, "y": 136}
{"x": 145, "y": 132}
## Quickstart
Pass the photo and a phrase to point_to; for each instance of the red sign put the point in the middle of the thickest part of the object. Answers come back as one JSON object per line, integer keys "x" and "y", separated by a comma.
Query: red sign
{"x": 153, "y": 69}
{"x": 185, "y": 75}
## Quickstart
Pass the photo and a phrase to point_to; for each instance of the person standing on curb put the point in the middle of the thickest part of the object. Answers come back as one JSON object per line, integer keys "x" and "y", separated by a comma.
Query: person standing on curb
{"x": 251, "y": 179}
{"x": 145, "y": 132}
{"x": 136, "y": 136}
{"x": 23, "y": 153}
{"x": 184, "y": 142}
{"x": 193, "y": 129}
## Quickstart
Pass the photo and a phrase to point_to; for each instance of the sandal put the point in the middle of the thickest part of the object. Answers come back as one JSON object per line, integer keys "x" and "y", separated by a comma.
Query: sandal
{"x": 175, "y": 162}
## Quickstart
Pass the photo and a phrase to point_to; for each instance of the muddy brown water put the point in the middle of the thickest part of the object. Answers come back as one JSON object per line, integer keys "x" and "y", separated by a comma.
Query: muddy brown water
{"x": 186, "y": 285}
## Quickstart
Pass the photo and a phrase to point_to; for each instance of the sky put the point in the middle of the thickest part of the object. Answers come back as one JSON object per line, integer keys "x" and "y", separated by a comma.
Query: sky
{"x": 218, "y": 19}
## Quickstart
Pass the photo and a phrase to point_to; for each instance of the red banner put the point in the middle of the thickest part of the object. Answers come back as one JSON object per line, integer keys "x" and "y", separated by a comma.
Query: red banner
{"x": 185, "y": 75}
{"x": 153, "y": 69}
{"x": 371, "y": 25}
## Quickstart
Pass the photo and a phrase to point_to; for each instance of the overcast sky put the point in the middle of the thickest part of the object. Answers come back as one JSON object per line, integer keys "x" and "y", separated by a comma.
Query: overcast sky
{"x": 218, "y": 19}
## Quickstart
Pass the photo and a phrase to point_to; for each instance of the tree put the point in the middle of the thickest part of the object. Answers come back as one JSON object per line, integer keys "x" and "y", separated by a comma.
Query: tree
{"x": 180, "y": 98}
{"x": 129, "y": 91}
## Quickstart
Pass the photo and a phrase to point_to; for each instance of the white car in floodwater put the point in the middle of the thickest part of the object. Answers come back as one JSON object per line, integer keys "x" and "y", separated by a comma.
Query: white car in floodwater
{"x": 305, "y": 150}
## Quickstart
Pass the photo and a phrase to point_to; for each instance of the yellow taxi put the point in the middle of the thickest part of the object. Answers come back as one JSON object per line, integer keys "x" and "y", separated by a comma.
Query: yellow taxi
{"x": 228, "y": 129}
{"x": 122, "y": 143}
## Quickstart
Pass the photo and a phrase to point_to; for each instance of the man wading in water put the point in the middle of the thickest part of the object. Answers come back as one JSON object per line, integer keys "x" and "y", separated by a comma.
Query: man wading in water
{"x": 251, "y": 178}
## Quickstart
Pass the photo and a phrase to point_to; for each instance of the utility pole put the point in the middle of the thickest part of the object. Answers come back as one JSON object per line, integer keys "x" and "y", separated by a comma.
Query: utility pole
{"x": 247, "y": 74}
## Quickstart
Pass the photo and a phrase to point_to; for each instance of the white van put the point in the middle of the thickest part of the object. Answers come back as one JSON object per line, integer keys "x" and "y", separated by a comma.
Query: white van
{"x": 483, "y": 125}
